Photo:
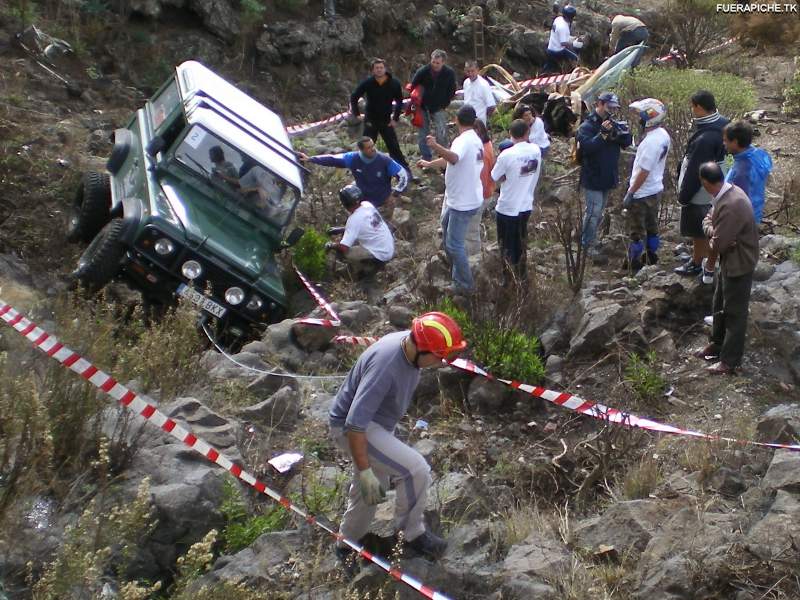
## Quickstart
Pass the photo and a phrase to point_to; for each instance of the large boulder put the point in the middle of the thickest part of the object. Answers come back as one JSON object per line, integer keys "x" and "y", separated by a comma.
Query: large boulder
{"x": 780, "y": 424}
{"x": 219, "y": 17}
{"x": 624, "y": 525}
{"x": 279, "y": 410}
{"x": 601, "y": 320}
{"x": 778, "y": 530}
{"x": 539, "y": 557}
{"x": 458, "y": 495}
{"x": 783, "y": 472}
{"x": 299, "y": 42}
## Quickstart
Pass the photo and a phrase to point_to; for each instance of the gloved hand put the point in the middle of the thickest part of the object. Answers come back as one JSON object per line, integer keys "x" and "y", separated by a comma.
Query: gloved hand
{"x": 371, "y": 489}
{"x": 627, "y": 200}
{"x": 331, "y": 245}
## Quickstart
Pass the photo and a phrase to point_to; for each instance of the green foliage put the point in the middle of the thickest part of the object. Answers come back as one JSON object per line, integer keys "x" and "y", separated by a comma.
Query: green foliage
{"x": 505, "y": 352}
{"x": 501, "y": 120}
{"x": 242, "y": 529}
{"x": 791, "y": 94}
{"x": 794, "y": 254}
{"x": 309, "y": 254}
{"x": 674, "y": 87}
{"x": 100, "y": 541}
{"x": 641, "y": 480}
{"x": 252, "y": 11}
{"x": 643, "y": 375}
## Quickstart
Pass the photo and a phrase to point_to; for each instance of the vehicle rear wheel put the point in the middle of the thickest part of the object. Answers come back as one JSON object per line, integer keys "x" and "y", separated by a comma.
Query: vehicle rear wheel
{"x": 101, "y": 260}
{"x": 91, "y": 208}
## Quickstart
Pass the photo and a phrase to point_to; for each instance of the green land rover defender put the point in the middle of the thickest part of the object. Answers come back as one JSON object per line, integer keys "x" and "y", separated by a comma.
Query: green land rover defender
{"x": 201, "y": 186}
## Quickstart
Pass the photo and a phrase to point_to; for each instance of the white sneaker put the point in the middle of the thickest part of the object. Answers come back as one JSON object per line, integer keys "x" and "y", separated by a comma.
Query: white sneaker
{"x": 709, "y": 320}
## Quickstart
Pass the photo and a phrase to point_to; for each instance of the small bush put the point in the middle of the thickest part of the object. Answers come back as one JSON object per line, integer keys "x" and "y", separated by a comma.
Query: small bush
{"x": 241, "y": 528}
{"x": 644, "y": 377}
{"x": 641, "y": 480}
{"x": 501, "y": 120}
{"x": 791, "y": 95}
{"x": 309, "y": 254}
{"x": 504, "y": 352}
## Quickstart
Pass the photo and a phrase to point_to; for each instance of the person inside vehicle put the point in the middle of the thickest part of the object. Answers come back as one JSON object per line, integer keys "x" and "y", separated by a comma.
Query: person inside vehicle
{"x": 367, "y": 244}
{"x": 260, "y": 187}
{"x": 223, "y": 169}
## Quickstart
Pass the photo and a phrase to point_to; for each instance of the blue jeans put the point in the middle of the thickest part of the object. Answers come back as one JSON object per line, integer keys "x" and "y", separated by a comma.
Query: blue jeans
{"x": 595, "y": 201}
{"x": 439, "y": 119}
{"x": 554, "y": 57}
{"x": 454, "y": 230}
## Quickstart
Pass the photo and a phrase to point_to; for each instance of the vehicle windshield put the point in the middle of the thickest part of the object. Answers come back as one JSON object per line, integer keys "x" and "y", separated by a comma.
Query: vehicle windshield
{"x": 237, "y": 173}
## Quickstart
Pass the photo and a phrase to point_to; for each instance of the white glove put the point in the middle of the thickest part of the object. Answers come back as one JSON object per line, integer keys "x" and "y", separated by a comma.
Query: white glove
{"x": 371, "y": 489}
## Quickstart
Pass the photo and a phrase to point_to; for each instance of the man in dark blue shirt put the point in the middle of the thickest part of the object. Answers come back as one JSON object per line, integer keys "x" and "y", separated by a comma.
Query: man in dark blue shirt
{"x": 373, "y": 172}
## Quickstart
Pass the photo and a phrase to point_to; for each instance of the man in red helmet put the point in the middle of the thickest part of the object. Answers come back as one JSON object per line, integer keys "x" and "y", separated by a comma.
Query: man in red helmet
{"x": 374, "y": 397}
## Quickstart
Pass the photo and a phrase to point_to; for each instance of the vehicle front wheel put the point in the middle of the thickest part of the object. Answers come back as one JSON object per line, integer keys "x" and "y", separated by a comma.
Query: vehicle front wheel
{"x": 91, "y": 208}
{"x": 101, "y": 260}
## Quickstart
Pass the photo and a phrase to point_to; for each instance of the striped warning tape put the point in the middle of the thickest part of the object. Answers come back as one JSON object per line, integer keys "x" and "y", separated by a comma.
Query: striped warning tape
{"x": 334, "y": 321}
{"x": 580, "y": 405}
{"x": 143, "y": 406}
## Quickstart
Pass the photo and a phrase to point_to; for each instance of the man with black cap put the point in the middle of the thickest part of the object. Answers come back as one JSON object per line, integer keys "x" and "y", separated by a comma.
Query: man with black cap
{"x": 463, "y": 193}
{"x": 600, "y": 140}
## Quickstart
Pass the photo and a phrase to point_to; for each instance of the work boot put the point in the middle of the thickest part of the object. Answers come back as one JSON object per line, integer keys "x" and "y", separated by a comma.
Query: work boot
{"x": 428, "y": 544}
{"x": 348, "y": 561}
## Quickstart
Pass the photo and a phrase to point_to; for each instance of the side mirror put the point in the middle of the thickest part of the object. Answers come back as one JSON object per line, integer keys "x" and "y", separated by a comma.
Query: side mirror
{"x": 294, "y": 237}
{"x": 156, "y": 145}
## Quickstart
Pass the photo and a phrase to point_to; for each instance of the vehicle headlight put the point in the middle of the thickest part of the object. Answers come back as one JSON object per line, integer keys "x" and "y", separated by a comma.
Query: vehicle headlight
{"x": 234, "y": 295}
{"x": 255, "y": 303}
{"x": 164, "y": 246}
{"x": 191, "y": 269}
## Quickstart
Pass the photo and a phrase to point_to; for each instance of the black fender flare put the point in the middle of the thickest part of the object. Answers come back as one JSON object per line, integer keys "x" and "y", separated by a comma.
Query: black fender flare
{"x": 123, "y": 140}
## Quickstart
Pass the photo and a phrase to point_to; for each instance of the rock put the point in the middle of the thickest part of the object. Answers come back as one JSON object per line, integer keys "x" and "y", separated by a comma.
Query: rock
{"x": 443, "y": 19}
{"x": 219, "y": 17}
{"x": 426, "y": 447}
{"x": 297, "y": 42}
{"x": 224, "y": 369}
{"x": 783, "y": 472}
{"x": 454, "y": 383}
{"x": 780, "y": 424}
{"x": 405, "y": 224}
{"x": 670, "y": 579}
{"x": 205, "y": 424}
{"x": 778, "y": 530}
{"x": 379, "y": 16}
{"x": 400, "y": 316}
{"x": 319, "y": 406}
{"x": 470, "y": 549}
{"x": 257, "y": 347}
{"x": 776, "y": 245}
{"x": 525, "y": 588}
{"x": 664, "y": 346}
{"x": 528, "y": 44}
{"x": 458, "y": 495}
{"x": 764, "y": 271}
{"x": 624, "y": 525}
{"x": 313, "y": 337}
{"x": 488, "y": 396}
{"x": 356, "y": 315}
{"x": 260, "y": 564}
{"x": 268, "y": 384}
{"x": 427, "y": 389}
{"x": 537, "y": 556}
{"x": 280, "y": 410}
{"x": 397, "y": 293}
{"x": 728, "y": 482}
{"x": 553, "y": 366}
{"x": 434, "y": 274}
{"x": 599, "y": 323}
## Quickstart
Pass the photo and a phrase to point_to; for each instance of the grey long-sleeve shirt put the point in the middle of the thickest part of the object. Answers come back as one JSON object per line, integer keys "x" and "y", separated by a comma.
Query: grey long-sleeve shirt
{"x": 378, "y": 388}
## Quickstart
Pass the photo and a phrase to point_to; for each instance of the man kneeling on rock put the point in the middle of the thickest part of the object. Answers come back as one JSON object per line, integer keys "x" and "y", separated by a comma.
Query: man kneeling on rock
{"x": 374, "y": 397}
{"x": 367, "y": 244}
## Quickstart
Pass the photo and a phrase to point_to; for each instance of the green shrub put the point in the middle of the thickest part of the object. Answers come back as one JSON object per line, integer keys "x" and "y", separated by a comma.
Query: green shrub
{"x": 504, "y": 352}
{"x": 501, "y": 120}
{"x": 643, "y": 375}
{"x": 791, "y": 94}
{"x": 309, "y": 254}
{"x": 241, "y": 528}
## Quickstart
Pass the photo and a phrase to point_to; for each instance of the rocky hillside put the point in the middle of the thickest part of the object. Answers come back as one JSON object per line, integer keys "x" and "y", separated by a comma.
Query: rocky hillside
{"x": 535, "y": 500}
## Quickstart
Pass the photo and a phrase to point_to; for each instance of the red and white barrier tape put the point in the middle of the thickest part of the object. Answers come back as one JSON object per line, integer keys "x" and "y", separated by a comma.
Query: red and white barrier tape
{"x": 143, "y": 406}
{"x": 334, "y": 320}
{"x": 578, "y": 404}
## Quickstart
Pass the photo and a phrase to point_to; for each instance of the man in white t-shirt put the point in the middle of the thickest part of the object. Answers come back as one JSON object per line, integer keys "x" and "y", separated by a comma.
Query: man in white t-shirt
{"x": 517, "y": 170}
{"x": 562, "y": 46}
{"x": 367, "y": 244}
{"x": 477, "y": 92}
{"x": 463, "y": 193}
{"x": 536, "y": 132}
{"x": 647, "y": 182}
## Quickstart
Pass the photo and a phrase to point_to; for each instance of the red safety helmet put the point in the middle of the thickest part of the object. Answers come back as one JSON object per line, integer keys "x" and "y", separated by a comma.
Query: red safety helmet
{"x": 437, "y": 333}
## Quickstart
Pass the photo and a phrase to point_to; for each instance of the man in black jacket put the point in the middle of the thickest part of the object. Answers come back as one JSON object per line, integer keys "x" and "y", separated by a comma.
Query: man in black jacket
{"x": 438, "y": 83}
{"x": 705, "y": 145}
{"x": 381, "y": 90}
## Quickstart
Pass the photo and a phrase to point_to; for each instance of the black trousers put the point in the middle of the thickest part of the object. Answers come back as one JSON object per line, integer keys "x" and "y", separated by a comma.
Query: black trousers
{"x": 509, "y": 237}
{"x": 730, "y": 308}
{"x": 372, "y": 129}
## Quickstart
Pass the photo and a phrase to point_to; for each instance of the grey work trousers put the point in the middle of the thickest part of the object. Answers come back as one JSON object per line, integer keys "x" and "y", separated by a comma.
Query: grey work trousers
{"x": 388, "y": 458}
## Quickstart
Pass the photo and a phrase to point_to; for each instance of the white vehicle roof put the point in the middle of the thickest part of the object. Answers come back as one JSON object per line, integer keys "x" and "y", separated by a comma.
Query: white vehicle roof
{"x": 244, "y": 122}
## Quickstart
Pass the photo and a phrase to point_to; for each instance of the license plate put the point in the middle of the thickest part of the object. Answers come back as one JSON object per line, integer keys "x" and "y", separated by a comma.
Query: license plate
{"x": 200, "y": 300}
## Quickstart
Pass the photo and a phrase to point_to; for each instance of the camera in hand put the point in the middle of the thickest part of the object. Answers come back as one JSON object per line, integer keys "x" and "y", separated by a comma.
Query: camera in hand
{"x": 618, "y": 128}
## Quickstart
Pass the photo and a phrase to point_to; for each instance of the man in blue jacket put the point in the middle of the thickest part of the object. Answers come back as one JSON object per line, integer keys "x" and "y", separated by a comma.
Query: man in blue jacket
{"x": 751, "y": 165}
{"x": 705, "y": 145}
{"x": 600, "y": 140}
{"x": 373, "y": 172}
